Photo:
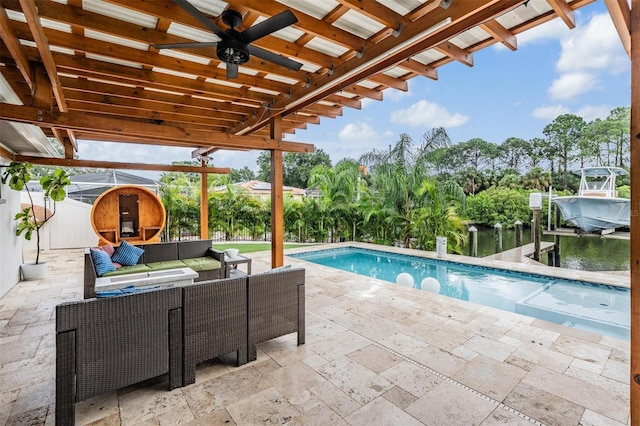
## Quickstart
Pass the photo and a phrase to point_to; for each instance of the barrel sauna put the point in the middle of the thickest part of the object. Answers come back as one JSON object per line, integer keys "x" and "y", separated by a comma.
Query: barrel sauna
{"x": 128, "y": 212}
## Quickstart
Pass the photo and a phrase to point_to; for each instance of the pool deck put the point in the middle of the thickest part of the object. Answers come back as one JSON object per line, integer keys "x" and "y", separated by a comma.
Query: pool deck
{"x": 375, "y": 354}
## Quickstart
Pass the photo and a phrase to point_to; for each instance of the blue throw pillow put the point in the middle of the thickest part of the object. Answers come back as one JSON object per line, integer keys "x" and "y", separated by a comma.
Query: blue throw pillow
{"x": 127, "y": 255}
{"x": 101, "y": 261}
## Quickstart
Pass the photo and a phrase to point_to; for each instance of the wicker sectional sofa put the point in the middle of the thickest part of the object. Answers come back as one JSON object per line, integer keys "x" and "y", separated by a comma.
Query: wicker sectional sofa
{"x": 197, "y": 255}
{"x": 103, "y": 344}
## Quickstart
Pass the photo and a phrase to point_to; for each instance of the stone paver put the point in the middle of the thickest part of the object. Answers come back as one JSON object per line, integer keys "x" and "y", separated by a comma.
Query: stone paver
{"x": 375, "y": 354}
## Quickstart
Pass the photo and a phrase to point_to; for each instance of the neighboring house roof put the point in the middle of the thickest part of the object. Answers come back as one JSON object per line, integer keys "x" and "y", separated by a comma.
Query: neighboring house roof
{"x": 258, "y": 186}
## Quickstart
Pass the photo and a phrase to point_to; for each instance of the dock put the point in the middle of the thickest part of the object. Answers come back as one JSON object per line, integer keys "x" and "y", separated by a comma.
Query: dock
{"x": 523, "y": 253}
{"x": 571, "y": 232}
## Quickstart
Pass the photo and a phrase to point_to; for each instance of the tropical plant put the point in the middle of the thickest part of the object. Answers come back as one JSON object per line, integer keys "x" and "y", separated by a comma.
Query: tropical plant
{"x": 18, "y": 175}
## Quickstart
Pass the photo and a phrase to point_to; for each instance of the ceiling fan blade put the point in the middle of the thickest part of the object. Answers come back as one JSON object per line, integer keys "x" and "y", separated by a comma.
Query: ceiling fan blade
{"x": 232, "y": 70}
{"x": 185, "y": 45}
{"x": 271, "y": 25}
{"x": 275, "y": 58}
{"x": 201, "y": 17}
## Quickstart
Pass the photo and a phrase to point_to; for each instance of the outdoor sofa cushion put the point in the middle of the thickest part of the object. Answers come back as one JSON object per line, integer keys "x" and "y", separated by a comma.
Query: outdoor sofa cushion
{"x": 127, "y": 254}
{"x": 102, "y": 261}
{"x": 200, "y": 264}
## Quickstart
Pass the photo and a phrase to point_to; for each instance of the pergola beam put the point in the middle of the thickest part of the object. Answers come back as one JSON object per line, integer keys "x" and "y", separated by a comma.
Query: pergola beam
{"x": 96, "y": 164}
{"x": 97, "y": 123}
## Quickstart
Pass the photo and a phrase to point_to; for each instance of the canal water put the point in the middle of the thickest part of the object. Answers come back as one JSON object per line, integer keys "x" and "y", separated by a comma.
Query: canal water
{"x": 586, "y": 253}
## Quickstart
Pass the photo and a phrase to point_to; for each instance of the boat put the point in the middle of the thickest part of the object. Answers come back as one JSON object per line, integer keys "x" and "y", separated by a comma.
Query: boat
{"x": 597, "y": 207}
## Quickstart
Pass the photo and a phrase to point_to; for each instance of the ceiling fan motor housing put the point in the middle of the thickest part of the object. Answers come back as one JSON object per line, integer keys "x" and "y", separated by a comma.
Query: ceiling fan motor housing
{"x": 233, "y": 51}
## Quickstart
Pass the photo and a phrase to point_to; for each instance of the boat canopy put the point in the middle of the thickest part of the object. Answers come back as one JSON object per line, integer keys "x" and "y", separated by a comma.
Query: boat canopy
{"x": 600, "y": 171}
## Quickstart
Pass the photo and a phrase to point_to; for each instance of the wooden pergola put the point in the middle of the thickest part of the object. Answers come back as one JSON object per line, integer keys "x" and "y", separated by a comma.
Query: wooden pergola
{"x": 95, "y": 70}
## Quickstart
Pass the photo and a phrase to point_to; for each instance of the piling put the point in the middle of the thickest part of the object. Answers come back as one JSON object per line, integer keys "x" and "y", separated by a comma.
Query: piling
{"x": 518, "y": 226}
{"x": 556, "y": 239}
{"x": 538, "y": 234}
{"x": 473, "y": 241}
{"x": 497, "y": 237}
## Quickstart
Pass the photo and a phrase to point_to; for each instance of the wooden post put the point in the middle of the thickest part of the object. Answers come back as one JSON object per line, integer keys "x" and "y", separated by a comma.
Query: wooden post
{"x": 533, "y": 234}
{"x": 204, "y": 203}
{"x": 537, "y": 232}
{"x": 497, "y": 237}
{"x": 556, "y": 239}
{"x": 518, "y": 225}
{"x": 473, "y": 241}
{"x": 635, "y": 213}
{"x": 277, "y": 202}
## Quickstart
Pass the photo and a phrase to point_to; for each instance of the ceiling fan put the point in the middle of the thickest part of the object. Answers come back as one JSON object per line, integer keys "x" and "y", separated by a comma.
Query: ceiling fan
{"x": 234, "y": 47}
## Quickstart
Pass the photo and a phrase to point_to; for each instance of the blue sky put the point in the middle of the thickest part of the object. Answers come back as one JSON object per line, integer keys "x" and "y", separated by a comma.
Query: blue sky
{"x": 583, "y": 71}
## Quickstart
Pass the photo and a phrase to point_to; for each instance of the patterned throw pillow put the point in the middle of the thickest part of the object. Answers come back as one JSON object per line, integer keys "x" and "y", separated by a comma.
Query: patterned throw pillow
{"x": 101, "y": 261}
{"x": 127, "y": 255}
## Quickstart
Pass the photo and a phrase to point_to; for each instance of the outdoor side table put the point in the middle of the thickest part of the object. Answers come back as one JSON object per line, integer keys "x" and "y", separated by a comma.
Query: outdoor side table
{"x": 232, "y": 263}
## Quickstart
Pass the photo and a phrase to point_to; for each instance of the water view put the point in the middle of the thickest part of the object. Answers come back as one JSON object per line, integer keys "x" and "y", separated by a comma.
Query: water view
{"x": 585, "y": 253}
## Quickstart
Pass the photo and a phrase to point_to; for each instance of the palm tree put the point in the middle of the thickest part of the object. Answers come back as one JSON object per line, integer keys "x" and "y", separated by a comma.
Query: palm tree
{"x": 437, "y": 215}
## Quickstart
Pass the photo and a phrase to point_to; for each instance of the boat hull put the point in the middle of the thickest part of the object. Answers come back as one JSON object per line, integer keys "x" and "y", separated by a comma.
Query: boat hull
{"x": 592, "y": 214}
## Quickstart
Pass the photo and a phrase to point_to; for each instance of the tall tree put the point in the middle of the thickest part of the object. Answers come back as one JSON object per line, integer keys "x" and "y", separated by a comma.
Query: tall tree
{"x": 296, "y": 167}
{"x": 242, "y": 175}
{"x": 563, "y": 135}
{"x": 514, "y": 153}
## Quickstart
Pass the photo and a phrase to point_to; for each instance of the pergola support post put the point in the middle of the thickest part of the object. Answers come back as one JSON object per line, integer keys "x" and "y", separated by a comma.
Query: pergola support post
{"x": 204, "y": 202}
{"x": 635, "y": 208}
{"x": 277, "y": 202}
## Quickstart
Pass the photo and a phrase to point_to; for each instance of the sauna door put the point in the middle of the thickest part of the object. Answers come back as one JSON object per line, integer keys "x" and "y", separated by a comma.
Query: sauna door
{"x": 129, "y": 220}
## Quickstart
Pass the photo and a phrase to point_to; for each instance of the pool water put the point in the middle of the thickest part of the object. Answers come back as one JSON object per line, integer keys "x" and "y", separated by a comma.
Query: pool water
{"x": 589, "y": 306}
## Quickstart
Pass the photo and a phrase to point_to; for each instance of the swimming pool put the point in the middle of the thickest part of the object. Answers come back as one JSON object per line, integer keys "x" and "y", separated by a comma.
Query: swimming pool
{"x": 589, "y": 306}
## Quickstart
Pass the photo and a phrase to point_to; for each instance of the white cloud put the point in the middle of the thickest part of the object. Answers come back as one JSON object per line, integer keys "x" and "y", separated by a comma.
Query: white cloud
{"x": 359, "y": 132}
{"x": 428, "y": 114}
{"x": 549, "y": 112}
{"x": 572, "y": 85}
{"x": 395, "y": 95}
{"x": 594, "y": 46}
{"x": 591, "y": 112}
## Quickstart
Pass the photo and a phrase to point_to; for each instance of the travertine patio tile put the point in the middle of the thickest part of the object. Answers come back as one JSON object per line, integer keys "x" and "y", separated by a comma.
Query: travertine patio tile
{"x": 440, "y": 360}
{"x": 403, "y": 344}
{"x": 441, "y": 336}
{"x": 207, "y": 396}
{"x": 149, "y": 401}
{"x": 449, "y": 404}
{"x": 578, "y": 391}
{"x": 98, "y": 408}
{"x": 399, "y": 397}
{"x": 532, "y": 334}
{"x": 218, "y": 417}
{"x": 381, "y": 412}
{"x": 617, "y": 370}
{"x": 489, "y": 347}
{"x": 542, "y": 355}
{"x": 34, "y": 397}
{"x": 337, "y": 346}
{"x": 616, "y": 388}
{"x": 371, "y": 327}
{"x": 358, "y": 382}
{"x": 502, "y": 417}
{"x": 591, "y": 418}
{"x": 293, "y": 379}
{"x": 375, "y": 358}
{"x": 581, "y": 349}
{"x": 490, "y": 377}
{"x": 488, "y": 326}
{"x": 567, "y": 331}
{"x": 412, "y": 378}
{"x": 334, "y": 398}
{"x": 265, "y": 407}
{"x": 20, "y": 350}
{"x": 543, "y": 406}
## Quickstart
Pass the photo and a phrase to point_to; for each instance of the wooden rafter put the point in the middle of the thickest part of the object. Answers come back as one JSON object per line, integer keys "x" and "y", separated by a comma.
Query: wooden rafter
{"x": 621, "y": 16}
{"x": 13, "y": 45}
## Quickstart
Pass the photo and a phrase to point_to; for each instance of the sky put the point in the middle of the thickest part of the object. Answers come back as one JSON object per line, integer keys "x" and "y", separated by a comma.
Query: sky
{"x": 584, "y": 71}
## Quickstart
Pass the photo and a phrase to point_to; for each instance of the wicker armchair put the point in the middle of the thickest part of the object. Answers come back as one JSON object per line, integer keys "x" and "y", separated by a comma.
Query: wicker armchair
{"x": 106, "y": 344}
{"x": 215, "y": 322}
{"x": 276, "y": 306}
